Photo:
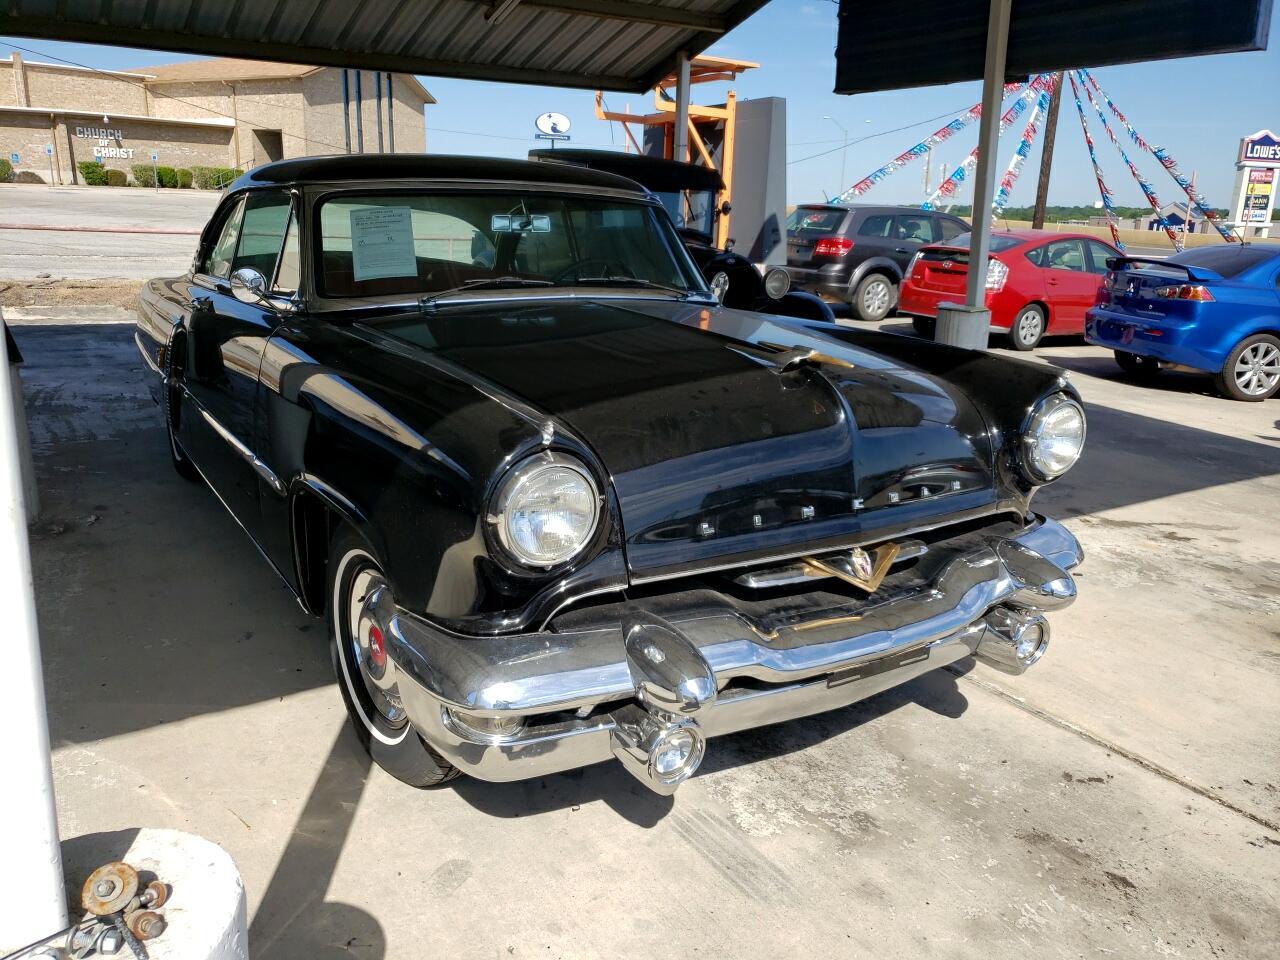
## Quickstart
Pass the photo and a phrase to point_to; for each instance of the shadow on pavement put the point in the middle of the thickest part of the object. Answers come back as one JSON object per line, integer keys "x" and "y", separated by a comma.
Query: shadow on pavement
{"x": 630, "y": 799}
{"x": 294, "y": 919}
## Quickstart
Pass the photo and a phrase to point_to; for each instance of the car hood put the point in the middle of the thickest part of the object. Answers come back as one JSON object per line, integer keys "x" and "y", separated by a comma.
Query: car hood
{"x": 724, "y": 444}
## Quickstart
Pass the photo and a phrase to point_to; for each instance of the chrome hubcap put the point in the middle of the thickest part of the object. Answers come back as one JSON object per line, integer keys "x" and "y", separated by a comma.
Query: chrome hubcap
{"x": 876, "y": 297}
{"x": 1029, "y": 326}
{"x": 1258, "y": 369}
{"x": 368, "y": 606}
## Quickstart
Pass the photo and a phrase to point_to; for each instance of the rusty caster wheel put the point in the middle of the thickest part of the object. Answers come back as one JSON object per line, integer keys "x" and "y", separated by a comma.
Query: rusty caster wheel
{"x": 145, "y": 924}
{"x": 109, "y": 889}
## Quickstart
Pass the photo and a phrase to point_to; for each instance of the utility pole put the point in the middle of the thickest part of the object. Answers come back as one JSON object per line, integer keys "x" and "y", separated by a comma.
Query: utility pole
{"x": 1046, "y": 155}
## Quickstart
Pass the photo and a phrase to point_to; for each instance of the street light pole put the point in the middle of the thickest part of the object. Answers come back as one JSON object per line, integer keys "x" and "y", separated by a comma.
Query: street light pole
{"x": 844, "y": 151}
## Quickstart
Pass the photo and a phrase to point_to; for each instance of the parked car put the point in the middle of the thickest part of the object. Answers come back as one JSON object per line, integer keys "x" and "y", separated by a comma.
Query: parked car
{"x": 1215, "y": 309}
{"x": 561, "y": 505}
{"x": 1039, "y": 283}
{"x": 691, "y": 195}
{"x": 858, "y": 254}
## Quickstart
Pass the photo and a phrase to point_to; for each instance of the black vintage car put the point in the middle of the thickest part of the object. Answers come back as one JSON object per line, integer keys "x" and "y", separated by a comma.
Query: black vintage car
{"x": 560, "y": 505}
{"x": 691, "y": 195}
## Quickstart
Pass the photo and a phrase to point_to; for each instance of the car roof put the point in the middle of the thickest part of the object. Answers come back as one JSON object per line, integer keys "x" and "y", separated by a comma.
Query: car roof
{"x": 875, "y": 208}
{"x": 357, "y": 167}
{"x": 655, "y": 173}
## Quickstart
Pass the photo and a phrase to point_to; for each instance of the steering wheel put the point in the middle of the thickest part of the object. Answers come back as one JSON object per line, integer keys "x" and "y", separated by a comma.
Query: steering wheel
{"x": 594, "y": 268}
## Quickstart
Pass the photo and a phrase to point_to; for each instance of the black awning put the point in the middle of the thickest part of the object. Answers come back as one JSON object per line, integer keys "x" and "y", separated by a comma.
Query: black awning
{"x": 921, "y": 43}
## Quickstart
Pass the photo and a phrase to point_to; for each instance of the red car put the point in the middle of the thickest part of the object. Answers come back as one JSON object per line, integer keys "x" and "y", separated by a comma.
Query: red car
{"x": 1038, "y": 282}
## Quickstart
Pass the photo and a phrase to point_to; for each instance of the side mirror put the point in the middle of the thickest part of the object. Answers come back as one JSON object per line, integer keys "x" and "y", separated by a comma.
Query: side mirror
{"x": 248, "y": 285}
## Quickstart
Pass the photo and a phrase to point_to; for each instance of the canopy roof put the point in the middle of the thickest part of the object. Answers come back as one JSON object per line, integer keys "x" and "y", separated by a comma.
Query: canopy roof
{"x": 595, "y": 44}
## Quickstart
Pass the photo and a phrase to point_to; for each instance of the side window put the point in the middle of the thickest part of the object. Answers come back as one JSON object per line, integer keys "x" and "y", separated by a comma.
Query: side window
{"x": 218, "y": 262}
{"x": 876, "y": 225}
{"x": 916, "y": 229}
{"x": 266, "y": 215}
{"x": 952, "y": 228}
{"x": 1098, "y": 254}
{"x": 1065, "y": 255}
{"x": 1036, "y": 256}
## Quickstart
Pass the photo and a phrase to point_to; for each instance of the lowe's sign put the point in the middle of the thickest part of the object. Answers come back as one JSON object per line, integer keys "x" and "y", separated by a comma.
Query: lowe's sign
{"x": 1262, "y": 148}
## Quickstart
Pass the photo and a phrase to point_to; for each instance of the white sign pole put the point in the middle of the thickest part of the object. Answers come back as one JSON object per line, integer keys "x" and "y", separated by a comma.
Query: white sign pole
{"x": 155, "y": 171}
{"x": 48, "y": 150}
{"x": 32, "y": 900}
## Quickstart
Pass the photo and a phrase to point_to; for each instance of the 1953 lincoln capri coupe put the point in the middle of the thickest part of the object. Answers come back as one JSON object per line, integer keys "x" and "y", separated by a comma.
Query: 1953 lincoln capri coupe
{"x": 561, "y": 506}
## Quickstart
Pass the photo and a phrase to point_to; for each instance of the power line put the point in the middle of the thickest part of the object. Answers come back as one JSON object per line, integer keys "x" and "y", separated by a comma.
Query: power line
{"x": 881, "y": 133}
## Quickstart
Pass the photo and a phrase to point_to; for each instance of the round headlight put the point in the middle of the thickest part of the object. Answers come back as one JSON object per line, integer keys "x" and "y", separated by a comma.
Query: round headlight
{"x": 546, "y": 510}
{"x": 1054, "y": 438}
{"x": 777, "y": 282}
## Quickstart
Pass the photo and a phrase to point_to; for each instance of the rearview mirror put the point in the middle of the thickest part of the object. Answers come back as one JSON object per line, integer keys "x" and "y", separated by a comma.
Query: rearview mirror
{"x": 248, "y": 285}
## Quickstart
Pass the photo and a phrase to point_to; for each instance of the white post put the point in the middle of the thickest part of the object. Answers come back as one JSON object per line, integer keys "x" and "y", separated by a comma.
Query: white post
{"x": 680, "y": 138}
{"x": 968, "y": 326}
{"x": 31, "y": 891}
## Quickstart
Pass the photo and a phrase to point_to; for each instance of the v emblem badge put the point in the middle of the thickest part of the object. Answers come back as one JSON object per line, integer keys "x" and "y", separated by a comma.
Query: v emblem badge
{"x": 864, "y": 570}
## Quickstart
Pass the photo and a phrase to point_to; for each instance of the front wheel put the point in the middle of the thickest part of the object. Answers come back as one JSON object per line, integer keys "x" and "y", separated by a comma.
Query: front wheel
{"x": 1252, "y": 370}
{"x": 873, "y": 297}
{"x": 359, "y": 605}
{"x": 1028, "y": 328}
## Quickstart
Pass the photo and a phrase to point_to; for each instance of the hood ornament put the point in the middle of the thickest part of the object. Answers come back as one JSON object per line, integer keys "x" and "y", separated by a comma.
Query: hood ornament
{"x": 864, "y": 570}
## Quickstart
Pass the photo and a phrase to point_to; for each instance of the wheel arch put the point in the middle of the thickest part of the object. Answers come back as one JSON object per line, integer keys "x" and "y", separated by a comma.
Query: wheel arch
{"x": 882, "y": 265}
{"x": 316, "y": 510}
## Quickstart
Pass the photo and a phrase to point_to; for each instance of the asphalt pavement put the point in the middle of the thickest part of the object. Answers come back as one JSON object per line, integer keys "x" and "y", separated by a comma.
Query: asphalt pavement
{"x": 87, "y": 249}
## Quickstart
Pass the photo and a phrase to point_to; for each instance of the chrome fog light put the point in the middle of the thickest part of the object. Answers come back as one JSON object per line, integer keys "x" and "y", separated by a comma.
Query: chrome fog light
{"x": 1013, "y": 641}
{"x": 491, "y": 729}
{"x": 676, "y": 753}
{"x": 660, "y": 751}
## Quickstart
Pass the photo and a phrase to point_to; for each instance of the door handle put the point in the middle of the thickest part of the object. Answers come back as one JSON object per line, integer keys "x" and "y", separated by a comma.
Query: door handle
{"x": 1052, "y": 282}
{"x": 901, "y": 250}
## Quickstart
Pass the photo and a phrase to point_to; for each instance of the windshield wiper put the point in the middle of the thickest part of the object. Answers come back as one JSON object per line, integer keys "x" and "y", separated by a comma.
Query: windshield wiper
{"x": 633, "y": 282}
{"x": 487, "y": 283}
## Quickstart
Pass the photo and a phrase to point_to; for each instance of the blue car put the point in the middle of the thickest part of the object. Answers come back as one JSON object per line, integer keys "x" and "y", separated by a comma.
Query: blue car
{"x": 1215, "y": 309}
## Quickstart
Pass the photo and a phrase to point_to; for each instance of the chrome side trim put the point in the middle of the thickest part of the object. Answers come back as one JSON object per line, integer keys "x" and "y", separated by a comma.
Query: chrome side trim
{"x": 260, "y": 468}
{"x": 146, "y": 357}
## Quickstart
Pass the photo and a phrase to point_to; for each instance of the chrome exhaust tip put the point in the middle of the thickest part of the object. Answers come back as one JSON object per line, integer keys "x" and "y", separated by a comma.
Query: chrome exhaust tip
{"x": 1013, "y": 641}
{"x": 661, "y": 752}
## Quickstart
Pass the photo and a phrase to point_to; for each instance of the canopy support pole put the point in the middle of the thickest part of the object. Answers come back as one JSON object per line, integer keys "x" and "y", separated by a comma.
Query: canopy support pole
{"x": 968, "y": 326}
{"x": 984, "y": 181}
{"x": 680, "y": 132}
{"x": 29, "y": 848}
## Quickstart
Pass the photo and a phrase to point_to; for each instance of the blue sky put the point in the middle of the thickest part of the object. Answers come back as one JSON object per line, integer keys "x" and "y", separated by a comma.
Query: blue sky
{"x": 1198, "y": 108}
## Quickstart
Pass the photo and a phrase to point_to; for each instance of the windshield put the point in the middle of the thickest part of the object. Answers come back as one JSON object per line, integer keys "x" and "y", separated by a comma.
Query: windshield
{"x": 406, "y": 243}
{"x": 1000, "y": 242}
{"x": 691, "y": 209}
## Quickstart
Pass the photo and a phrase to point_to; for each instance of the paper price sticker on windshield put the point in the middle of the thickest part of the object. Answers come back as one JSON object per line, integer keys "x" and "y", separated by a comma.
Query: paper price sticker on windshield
{"x": 382, "y": 243}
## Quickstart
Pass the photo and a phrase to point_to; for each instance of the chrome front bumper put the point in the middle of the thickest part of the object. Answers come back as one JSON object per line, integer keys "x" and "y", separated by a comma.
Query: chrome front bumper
{"x": 589, "y": 695}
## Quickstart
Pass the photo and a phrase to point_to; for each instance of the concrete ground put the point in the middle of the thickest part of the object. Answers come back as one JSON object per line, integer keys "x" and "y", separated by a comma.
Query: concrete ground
{"x": 77, "y": 253}
{"x": 1122, "y": 799}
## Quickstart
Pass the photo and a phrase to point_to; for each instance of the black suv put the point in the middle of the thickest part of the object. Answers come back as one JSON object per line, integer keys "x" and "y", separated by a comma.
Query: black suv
{"x": 858, "y": 254}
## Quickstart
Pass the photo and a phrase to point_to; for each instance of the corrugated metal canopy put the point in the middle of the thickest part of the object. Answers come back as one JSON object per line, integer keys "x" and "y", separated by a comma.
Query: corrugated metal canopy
{"x": 596, "y": 44}
{"x": 918, "y": 43}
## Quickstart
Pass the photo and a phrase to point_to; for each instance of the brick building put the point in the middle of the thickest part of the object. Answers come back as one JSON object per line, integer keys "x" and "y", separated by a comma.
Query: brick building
{"x": 215, "y": 113}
